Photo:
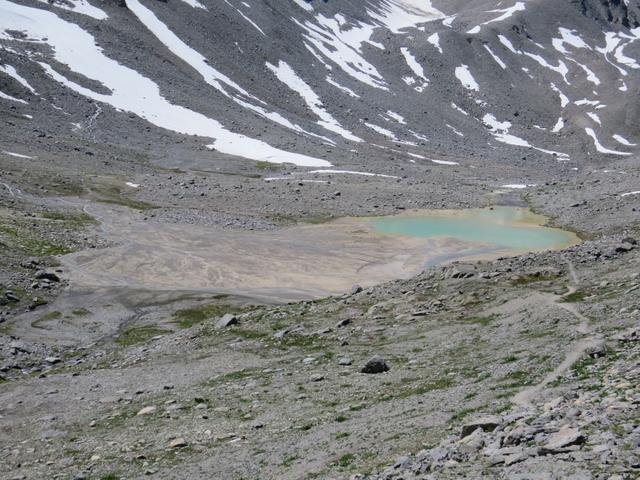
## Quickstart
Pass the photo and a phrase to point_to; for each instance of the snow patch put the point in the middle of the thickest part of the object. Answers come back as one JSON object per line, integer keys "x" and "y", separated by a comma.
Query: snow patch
{"x": 500, "y": 131}
{"x": 397, "y": 117}
{"x": 304, "y": 5}
{"x": 623, "y": 141}
{"x": 506, "y": 13}
{"x": 348, "y": 91}
{"x": 9, "y": 70}
{"x": 194, "y": 4}
{"x": 496, "y": 58}
{"x": 594, "y": 117}
{"x": 568, "y": 37}
{"x": 381, "y": 131}
{"x": 413, "y": 63}
{"x": 13, "y": 99}
{"x": 434, "y": 40}
{"x": 457, "y": 108}
{"x": 128, "y": 90}
{"x": 17, "y": 155}
{"x": 558, "y": 126}
{"x": 78, "y": 6}
{"x": 599, "y": 147}
{"x": 518, "y": 186}
{"x": 288, "y": 76}
{"x": 464, "y": 75}
{"x": 351, "y": 172}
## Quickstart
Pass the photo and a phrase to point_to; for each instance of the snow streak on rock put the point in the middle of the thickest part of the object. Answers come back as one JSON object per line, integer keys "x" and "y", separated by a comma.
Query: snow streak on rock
{"x": 289, "y": 77}
{"x": 129, "y": 91}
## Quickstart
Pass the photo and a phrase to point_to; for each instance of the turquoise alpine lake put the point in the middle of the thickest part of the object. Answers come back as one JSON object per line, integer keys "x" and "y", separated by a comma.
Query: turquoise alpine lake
{"x": 516, "y": 229}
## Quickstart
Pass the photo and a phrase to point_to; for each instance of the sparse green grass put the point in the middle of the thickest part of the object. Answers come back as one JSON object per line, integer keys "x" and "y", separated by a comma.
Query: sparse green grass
{"x": 288, "y": 461}
{"x": 136, "y": 335}
{"x": 232, "y": 377}
{"x": 577, "y": 296}
{"x": 406, "y": 388}
{"x": 189, "y": 317}
{"x": 80, "y": 312}
{"x": 79, "y": 219}
{"x": 262, "y": 165}
{"x": 527, "y": 279}
{"x": 249, "y": 334}
{"x": 584, "y": 368}
{"x": 28, "y": 242}
{"x": 460, "y": 414}
{"x": 340, "y": 435}
{"x": 345, "y": 460}
{"x": 509, "y": 359}
{"x": 341, "y": 418}
{"x": 45, "y": 318}
{"x": 113, "y": 194}
{"x": 518, "y": 378}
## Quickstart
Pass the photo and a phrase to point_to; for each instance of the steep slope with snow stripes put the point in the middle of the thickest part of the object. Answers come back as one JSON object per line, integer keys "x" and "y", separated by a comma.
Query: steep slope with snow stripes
{"x": 290, "y": 80}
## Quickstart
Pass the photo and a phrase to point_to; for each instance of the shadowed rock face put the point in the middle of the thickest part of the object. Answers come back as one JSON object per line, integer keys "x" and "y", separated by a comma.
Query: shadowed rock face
{"x": 611, "y": 11}
{"x": 313, "y": 83}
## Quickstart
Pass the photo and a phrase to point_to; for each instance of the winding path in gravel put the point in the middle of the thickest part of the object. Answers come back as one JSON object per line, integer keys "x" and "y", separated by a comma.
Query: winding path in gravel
{"x": 577, "y": 350}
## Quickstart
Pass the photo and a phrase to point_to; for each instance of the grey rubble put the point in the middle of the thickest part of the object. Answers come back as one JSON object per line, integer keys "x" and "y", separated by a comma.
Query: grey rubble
{"x": 519, "y": 368}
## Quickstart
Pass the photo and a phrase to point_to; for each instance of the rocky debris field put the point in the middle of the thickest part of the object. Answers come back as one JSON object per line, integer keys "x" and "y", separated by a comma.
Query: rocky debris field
{"x": 199, "y": 385}
{"x": 520, "y": 368}
{"x": 589, "y": 431}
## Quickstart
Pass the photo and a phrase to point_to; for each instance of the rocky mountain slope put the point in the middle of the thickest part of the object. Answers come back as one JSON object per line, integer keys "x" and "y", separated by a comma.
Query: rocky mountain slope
{"x": 319, "y": 83}
{"x": 189, "y": 118}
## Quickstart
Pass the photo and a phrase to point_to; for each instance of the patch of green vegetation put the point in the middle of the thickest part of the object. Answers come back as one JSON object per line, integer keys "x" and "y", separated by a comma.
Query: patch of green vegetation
{"x": 29, "y": 242}
{"x": 460, "y": 414}
{"x": 583, "y": 369}
{"x": 81, "y": 312}
{"x": 308, "y": 342}
{"x": 345, "y": 460}
{"x": 316, "y": 219}
{"x": 249, "y": 334}
{"x": 232, "y": 376}
{"x": 534, "y": 278}
{"x": 470, "y": 395}
{"x": 38, "y": 302}
{"x": 340, "y": 435}
{"x": 17, "y": 292}
{"x": 405, "y": 390}
{"x": 518, "y": 378}
{"x": 577, "y": 296}
{"x": 288, "y": 461}
{"x": 537, "y": 333}
{"x": 136, "y": 335}
{"x": 502, "y": 408}
{"x": 189, "y": 317}
{"x": 60, "y": 185}
{"x": 109, "y": 476}
{"x": 112, "y": 194}
{"x": 509, "y": 359}
{"x": 80, "y": 219}
{"x": 262, "y": 165}
{"x": 310, "y": 219}
{"x": 341, "y": 418}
